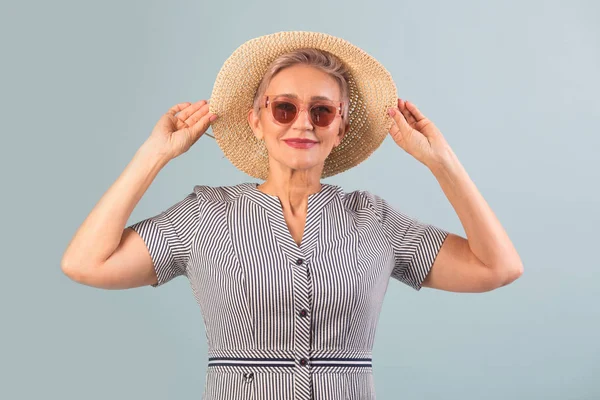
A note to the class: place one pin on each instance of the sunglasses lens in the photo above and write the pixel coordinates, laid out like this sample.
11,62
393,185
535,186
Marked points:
322,114
283,111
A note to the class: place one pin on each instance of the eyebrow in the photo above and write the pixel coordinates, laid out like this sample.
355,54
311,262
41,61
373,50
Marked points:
296,96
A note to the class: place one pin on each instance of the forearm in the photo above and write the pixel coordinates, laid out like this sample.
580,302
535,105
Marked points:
487,238
101,232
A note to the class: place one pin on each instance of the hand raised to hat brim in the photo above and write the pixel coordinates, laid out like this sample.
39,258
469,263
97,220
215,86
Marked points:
417,135
180,127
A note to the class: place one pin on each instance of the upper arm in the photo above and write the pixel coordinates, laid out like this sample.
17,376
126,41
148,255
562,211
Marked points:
151,251
169,238
129,266
457,269
428,256
415,244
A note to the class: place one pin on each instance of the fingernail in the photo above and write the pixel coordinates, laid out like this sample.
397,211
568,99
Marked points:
213,117
391,112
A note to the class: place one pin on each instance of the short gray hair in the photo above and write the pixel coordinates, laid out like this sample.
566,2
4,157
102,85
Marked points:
320,59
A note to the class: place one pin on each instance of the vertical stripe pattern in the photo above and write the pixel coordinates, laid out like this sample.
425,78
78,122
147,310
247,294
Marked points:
285,321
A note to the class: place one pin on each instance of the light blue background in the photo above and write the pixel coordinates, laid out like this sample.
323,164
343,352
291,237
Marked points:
512,86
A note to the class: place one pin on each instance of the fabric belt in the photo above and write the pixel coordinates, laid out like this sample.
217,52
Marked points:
289,362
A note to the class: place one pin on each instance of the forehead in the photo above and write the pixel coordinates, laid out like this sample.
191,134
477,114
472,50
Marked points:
304,82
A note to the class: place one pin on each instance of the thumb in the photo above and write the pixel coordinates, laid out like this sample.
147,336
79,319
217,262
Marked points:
399,120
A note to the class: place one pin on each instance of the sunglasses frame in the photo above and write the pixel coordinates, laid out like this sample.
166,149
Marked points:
301,106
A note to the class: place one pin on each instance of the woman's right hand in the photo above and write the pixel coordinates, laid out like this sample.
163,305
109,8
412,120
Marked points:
178,129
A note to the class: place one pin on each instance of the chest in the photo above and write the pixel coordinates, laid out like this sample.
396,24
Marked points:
295,225
248,267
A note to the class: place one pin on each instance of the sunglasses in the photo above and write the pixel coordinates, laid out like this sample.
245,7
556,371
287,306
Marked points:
285,110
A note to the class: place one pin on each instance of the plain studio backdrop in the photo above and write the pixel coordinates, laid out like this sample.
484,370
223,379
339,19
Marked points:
513,86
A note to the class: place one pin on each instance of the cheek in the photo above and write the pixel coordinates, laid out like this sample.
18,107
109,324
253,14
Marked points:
273,141
272,133
332,139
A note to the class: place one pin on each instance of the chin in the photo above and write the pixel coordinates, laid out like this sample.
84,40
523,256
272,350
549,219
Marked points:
300,165
295,161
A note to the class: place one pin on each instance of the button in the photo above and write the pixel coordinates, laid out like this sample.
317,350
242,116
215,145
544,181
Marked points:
303,313
299,261
303,361
248,376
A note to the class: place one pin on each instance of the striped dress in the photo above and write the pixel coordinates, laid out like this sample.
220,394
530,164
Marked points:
285,321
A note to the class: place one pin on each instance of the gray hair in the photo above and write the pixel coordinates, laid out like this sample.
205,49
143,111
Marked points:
320,59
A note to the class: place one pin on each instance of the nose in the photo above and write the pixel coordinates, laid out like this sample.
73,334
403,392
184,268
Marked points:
303,120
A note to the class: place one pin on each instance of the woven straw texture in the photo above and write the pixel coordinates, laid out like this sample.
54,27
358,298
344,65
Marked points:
371,92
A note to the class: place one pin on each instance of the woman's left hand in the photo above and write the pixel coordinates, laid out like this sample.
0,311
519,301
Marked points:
417,135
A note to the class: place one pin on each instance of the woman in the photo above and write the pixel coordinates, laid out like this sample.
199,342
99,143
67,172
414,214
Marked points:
290,275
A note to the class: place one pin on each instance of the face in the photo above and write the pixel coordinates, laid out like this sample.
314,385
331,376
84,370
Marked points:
304,82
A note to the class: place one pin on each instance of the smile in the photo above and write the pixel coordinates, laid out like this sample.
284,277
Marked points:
300,143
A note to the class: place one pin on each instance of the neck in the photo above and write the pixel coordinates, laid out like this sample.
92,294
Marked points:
292,189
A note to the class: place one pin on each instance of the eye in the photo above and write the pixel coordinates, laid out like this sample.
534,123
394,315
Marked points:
322,109
284,106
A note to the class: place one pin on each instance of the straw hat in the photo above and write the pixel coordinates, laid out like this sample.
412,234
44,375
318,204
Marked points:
371,92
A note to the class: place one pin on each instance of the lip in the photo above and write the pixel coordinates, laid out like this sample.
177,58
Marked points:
300,143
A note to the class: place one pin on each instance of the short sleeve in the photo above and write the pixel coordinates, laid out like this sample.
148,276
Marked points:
415,243
169,237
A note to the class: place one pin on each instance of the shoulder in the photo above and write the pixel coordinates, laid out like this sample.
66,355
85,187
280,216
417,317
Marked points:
221,194
363,201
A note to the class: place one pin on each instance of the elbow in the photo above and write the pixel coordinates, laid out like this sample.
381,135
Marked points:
69,271
510,274
72,271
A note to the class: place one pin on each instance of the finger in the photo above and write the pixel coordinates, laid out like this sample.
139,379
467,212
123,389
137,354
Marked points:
400,136
407,114
400,120
201,125
414,111
177,107
195,117
185,114
395,132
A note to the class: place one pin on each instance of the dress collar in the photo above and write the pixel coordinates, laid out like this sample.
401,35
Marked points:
316,201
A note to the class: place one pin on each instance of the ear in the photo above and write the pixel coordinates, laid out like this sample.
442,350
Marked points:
254,121
343,130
